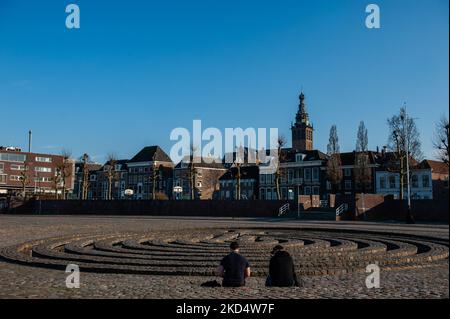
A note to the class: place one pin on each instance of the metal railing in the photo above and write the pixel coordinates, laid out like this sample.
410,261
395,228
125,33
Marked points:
283,209
341,209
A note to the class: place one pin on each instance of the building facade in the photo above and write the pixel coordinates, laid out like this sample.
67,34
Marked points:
248,183
150,174
35,172
300,173
203,176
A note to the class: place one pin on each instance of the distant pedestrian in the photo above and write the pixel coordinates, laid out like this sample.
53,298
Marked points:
281,269
234,268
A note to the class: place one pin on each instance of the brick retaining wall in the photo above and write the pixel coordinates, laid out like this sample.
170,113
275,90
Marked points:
254,208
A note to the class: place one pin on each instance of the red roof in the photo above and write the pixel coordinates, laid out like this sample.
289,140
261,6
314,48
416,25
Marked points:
436,166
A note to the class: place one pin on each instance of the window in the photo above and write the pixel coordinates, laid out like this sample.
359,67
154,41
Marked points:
392,182
307,174
290,176
382,182
262,178
43,169
315,190
347,172
328,185
348,184
3,179
425,181
14,178
283,193
415,181
299,157
43,159
16,167
93,178
43,179
10,157
315,173
2,167
307,190
263,193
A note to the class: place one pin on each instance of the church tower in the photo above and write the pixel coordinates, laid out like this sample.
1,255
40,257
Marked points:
302,129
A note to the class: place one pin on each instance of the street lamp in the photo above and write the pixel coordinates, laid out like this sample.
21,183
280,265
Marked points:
409,218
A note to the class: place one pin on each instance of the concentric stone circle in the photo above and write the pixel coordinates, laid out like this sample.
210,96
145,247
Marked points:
198,252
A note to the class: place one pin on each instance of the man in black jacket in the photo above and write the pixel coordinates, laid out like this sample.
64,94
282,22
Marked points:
281,269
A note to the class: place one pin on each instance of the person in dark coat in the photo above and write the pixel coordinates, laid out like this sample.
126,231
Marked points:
234,268
281,269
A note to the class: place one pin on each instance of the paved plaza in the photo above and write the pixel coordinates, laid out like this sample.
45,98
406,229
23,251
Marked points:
149,257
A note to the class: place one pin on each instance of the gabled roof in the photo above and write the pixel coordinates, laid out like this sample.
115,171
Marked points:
389,159
149,154
435,166
349,158
201,163
288,155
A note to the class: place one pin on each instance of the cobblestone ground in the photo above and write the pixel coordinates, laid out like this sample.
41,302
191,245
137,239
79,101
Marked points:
17,281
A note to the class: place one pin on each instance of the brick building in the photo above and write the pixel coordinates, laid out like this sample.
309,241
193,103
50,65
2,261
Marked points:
150,170
249,183
39,173
301,173
205,178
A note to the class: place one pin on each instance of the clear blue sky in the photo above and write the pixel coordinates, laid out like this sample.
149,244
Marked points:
137,69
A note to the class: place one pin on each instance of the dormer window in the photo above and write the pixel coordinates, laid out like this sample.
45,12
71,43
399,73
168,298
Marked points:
299,157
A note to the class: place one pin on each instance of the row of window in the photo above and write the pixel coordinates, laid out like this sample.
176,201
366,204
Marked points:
231,183
287,193
391,181
18,178
307,174
21,167
245,194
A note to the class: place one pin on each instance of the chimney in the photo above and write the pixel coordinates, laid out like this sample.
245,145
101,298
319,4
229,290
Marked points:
29,141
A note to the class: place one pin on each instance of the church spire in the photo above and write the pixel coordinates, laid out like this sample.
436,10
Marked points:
302,130
302,116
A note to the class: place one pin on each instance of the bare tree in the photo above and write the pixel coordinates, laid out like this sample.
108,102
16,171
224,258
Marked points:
362,140
363,173
111,173
85,181
403,139
56,179
65,170
440,140
334,164
192,170
24,179
281,143
154,176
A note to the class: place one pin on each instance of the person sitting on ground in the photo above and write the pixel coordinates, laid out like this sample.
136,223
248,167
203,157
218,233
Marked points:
234,268
281,269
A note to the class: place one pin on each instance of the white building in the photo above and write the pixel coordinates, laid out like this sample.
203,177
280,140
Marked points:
388,183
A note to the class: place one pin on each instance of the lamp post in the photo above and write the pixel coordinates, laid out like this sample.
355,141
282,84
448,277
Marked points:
409,218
